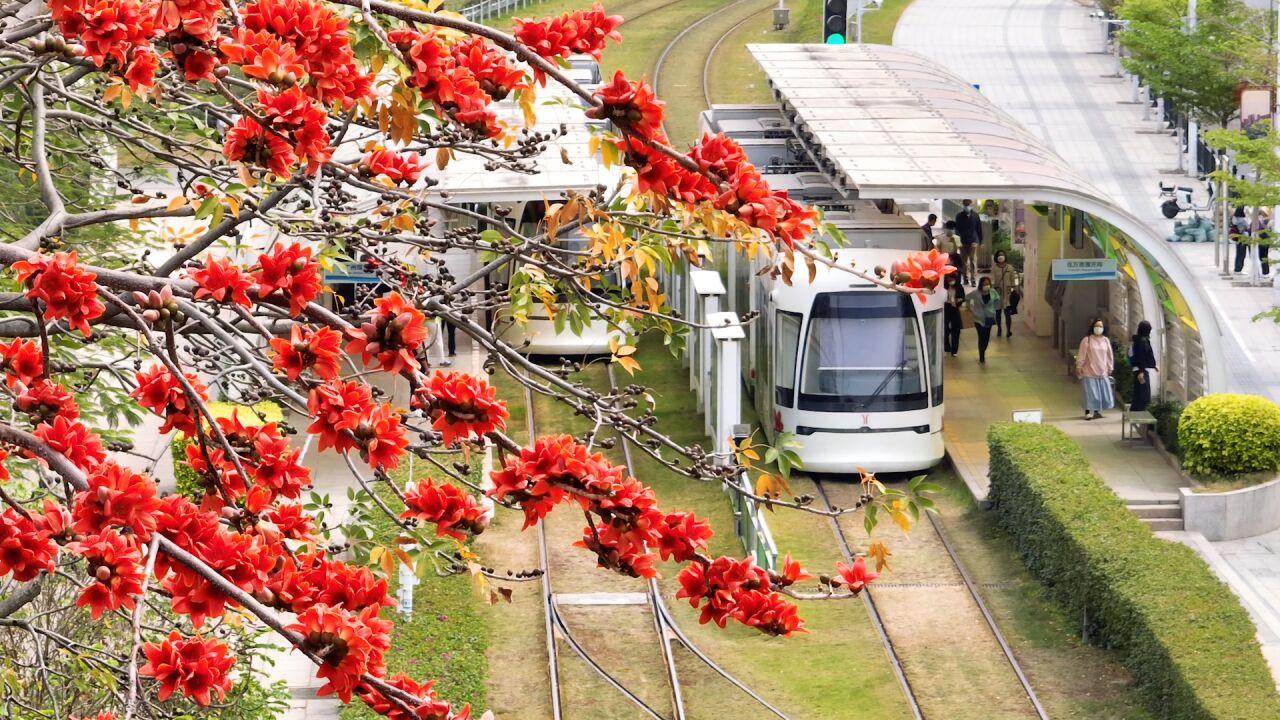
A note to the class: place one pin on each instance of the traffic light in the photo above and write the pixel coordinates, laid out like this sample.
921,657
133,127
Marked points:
835,22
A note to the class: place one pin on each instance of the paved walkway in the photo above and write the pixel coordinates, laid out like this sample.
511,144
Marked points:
1041,61
1026,373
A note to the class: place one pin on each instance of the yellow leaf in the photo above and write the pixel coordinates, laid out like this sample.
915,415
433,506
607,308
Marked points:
764,485
133,224
111,93
126,98
442,158
900,517
376,553
388,562
233,205
629,364
527,97
178,202
625,350
593,145
751,453
880,553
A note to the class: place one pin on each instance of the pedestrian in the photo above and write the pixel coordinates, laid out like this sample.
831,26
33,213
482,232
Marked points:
1005,280
1143,361
1262,238
969,228
946,243
985,306
927,231
1094,362
951,314
1240,233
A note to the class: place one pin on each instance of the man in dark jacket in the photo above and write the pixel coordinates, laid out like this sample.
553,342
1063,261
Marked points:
969,230
926,231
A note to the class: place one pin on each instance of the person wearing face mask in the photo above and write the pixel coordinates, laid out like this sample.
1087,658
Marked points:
985,306
969,229
1094,363
1004,278
951,314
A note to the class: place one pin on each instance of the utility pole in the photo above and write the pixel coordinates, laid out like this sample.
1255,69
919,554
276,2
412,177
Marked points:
862,6
1193,128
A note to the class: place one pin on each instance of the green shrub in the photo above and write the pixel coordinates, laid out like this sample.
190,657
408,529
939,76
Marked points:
188,482
1167,413
1190,646
1230,434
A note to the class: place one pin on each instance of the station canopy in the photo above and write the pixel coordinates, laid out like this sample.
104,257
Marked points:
886,123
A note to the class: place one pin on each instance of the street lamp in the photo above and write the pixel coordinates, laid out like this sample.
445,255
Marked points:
863,6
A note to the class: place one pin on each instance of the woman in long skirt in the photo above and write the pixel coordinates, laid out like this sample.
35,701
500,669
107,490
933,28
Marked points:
1094,363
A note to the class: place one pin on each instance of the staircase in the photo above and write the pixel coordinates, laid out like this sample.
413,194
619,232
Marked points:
1159,514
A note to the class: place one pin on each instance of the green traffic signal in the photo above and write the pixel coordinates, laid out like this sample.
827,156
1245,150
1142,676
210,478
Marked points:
836,39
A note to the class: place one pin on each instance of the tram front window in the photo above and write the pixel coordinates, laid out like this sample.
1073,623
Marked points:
863,352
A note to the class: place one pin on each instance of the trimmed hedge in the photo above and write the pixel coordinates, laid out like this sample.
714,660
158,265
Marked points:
1190,646
1167,413
1230,434
188,483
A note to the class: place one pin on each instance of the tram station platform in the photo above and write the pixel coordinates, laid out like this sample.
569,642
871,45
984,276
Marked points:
1025,373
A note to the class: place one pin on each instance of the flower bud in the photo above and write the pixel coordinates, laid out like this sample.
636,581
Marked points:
103,573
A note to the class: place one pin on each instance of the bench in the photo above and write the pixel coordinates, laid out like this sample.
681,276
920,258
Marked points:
1131,420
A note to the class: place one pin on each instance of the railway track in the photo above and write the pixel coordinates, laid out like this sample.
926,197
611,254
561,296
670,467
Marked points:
668,633
707,59
886,637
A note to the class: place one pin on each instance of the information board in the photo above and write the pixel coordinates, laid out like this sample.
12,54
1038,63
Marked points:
1084,269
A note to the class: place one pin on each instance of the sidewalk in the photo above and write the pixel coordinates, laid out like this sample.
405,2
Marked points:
1041,61
1025,373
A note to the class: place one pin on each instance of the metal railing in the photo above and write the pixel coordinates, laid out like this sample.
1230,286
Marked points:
485,9
752,528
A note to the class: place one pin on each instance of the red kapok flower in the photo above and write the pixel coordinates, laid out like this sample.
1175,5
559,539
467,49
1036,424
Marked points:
329,404
44,400
682,534
464,406
196,666
350,645
393,332
117,497
318,349
922,270
115,564
496,76
790,573
248,142
141,73
857,576
25,549
162,394
68,291
23,361
223,281
455,512
108,28
289,269
432,707
379,433
263,55
323,46
769,613
628,104
74,440
553,469
291,520
396,167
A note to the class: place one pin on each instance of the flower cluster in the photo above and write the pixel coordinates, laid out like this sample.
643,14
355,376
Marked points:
349,645
392,333
321,44
161,393
581,31
196,666
263,451
318,349
455,512
347,418
115,564
118,497
294,132
221,280
22,362
461,406
629,105
452,80
25,548
69,291
739,589
290,270
432,707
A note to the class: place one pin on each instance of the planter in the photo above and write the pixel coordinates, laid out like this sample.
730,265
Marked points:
1233,514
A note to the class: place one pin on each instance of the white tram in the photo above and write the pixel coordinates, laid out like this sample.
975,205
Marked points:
853,370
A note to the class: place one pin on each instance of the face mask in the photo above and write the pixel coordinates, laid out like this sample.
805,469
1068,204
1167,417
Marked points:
999,261
1097,331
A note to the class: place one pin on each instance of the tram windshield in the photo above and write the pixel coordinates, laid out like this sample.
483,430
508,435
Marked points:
863,352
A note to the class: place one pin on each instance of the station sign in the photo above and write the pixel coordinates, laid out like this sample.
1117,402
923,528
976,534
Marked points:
1084,269
350,273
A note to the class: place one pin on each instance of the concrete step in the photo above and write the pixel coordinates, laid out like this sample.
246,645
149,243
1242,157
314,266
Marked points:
1161,510
1164,524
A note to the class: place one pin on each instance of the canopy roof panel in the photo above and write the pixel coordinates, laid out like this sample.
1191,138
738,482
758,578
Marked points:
883,122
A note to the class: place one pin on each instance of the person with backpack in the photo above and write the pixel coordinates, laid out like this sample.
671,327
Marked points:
969,229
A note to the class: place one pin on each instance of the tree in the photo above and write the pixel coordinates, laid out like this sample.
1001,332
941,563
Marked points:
320,121
1199,71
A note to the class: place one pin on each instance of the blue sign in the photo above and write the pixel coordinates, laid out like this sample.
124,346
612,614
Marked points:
1084,269
350,273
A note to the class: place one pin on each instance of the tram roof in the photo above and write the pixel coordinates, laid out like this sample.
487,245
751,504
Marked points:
467,179
883,122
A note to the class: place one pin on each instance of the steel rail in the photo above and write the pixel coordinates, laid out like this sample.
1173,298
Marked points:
711,54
